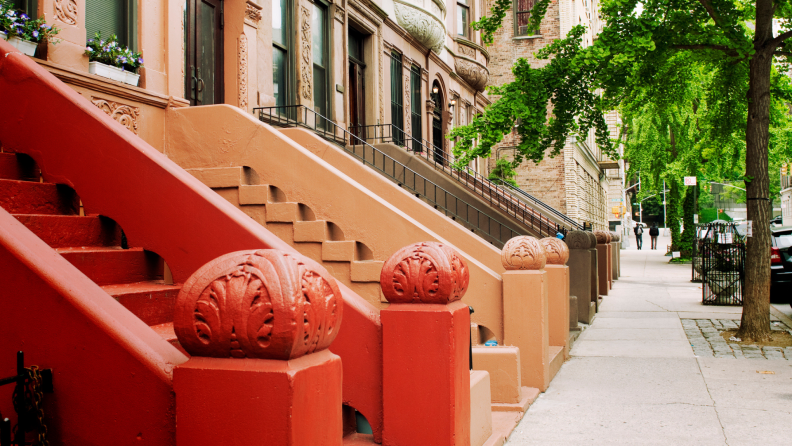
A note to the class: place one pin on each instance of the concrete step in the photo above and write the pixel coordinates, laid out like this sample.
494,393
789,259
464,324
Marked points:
111,266
61,231
152,302
167,333
26,197
283,212
14,167
254,194
366,270
556,360
310,231
343,251
218,176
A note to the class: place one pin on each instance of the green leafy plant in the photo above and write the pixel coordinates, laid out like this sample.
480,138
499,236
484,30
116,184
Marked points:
503,172
18,24
110,52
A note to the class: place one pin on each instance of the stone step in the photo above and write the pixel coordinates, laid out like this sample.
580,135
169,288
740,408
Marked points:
254,194
18,167
310,231
343,251
366,270
111,266
167,333
60,231
152,302
556,355
283,212
26,197
218,176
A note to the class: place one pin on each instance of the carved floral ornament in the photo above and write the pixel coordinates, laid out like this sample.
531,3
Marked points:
66,11
126,115
243,71
603,237
556,251
253,13
577,240
306,75
472,72
428,272
265,304
425,27
523,253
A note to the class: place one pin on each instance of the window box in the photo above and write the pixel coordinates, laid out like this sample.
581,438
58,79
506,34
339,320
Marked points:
107,71
131,78
3,35
25,46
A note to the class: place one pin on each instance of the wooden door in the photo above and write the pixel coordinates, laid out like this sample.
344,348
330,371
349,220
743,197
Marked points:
204,80
357,96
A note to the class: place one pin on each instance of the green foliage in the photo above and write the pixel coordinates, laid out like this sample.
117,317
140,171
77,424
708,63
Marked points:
707,215
503,172
110,52
674,213
19,24
488,25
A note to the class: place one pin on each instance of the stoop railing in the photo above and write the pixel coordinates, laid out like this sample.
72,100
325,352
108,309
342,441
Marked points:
452,206
512,200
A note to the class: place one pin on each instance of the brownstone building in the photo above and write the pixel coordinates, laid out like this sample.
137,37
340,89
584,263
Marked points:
580,182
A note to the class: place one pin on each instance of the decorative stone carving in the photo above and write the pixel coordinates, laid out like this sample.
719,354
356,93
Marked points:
306,74
523,252
592,239
66,12
407,107
603,237
556,251
124,114
243,71
258,304
472,72
428,272
252,13
381,76
577,240
615,237
425,27
466,50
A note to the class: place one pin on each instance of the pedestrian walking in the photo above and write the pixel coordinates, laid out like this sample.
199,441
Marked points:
653,233
638,235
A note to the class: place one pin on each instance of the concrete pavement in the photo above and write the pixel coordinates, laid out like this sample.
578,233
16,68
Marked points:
634,378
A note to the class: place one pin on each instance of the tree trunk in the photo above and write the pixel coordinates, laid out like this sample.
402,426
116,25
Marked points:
755,324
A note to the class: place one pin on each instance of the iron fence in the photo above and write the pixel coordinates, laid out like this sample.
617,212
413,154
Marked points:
495,195
452,206
721,250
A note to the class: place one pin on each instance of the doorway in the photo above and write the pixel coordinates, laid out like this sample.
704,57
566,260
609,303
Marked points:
437,124
357,82
204,52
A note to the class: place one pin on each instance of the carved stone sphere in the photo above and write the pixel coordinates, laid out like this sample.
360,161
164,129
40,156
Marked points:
603,237
523,252
578,240
615,237
427,272
265,304
556,251
593,239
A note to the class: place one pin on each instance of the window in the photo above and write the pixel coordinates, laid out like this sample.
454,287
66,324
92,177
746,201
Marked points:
320,61
397,97
112,17
463,18
415,104
522,19
29,7
281,46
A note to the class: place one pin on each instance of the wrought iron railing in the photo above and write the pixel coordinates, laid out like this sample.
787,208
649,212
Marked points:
512,200
721,257
473,218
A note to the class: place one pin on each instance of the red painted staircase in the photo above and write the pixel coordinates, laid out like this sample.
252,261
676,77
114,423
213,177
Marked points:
94,244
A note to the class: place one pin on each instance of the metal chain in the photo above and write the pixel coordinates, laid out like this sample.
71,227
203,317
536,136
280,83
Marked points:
34,397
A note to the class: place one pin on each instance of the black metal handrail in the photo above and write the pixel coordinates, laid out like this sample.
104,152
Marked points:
441,199
493,193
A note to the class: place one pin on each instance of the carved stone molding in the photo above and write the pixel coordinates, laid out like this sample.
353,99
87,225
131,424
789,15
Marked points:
425,27
243,71
578,240
258,304
556,251
603,237
306,74
428,272
407,107
381,62
126,115
471,72
253,13
466,50
66,11
523,253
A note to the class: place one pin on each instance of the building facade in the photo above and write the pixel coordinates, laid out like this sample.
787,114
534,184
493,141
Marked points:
580,182
415,64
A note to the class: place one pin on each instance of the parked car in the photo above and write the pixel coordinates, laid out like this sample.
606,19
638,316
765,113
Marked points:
778,221
781,265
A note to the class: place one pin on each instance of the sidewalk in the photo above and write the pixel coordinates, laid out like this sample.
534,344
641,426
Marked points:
634,377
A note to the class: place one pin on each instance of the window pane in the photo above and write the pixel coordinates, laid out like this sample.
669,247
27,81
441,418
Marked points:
397,109
106,17
355,45
280,10
318,29
320,90
279,76
462,20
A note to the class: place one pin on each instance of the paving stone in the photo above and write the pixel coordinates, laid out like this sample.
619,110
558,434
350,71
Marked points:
716,323
773,352
737,350
788,353
729,324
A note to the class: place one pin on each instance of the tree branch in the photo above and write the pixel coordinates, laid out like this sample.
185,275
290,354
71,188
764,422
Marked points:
783,53
711,11
780,39
722,48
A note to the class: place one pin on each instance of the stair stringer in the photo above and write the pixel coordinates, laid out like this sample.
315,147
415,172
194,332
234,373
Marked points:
112,373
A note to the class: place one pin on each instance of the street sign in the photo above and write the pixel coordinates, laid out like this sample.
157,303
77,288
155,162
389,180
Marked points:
690,181
695,218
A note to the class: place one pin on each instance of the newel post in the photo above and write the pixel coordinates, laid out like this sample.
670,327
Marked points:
615,247
604,261
557,254
581,280
425,343
257,325
526,315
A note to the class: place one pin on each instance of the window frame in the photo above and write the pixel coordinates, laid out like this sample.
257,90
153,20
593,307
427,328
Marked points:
517,12
415,103
129,35
397,95
288,50
463,5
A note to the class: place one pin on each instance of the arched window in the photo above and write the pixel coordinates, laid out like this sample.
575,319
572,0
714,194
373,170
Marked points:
522,17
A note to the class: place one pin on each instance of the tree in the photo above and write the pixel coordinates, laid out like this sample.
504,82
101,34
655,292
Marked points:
733,39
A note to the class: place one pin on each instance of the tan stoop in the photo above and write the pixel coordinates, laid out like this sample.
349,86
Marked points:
295,223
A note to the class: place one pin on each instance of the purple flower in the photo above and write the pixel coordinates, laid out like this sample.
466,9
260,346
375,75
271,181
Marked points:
89,49
140,61
24,17
35,34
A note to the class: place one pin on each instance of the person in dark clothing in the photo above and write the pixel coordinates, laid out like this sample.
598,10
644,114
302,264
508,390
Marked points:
653,233
638,235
